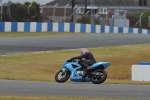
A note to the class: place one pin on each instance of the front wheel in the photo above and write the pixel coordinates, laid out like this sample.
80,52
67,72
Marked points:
61,76
99,77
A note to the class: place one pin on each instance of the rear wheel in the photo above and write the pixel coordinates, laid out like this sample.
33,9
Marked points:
61,76
99,77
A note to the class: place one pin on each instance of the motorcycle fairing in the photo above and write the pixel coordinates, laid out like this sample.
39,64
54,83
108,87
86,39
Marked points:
74,75
78,78
105,64
69,66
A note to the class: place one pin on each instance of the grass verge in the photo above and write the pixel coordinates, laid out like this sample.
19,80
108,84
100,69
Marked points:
19,34
43,66
56,98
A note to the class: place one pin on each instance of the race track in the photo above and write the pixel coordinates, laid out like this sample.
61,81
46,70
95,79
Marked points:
28,88
13,45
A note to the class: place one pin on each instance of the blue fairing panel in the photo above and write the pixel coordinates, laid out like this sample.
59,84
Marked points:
70,67
105,64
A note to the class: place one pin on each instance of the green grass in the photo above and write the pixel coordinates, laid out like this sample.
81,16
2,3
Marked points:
57,98
19,34
43,66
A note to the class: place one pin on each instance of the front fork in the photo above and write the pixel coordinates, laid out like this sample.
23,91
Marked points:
63,70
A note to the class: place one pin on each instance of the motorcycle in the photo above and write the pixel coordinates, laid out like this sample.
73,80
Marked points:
73,70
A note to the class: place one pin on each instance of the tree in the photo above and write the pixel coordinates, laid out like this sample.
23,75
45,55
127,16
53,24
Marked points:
18,12
135,17
34,12
22,12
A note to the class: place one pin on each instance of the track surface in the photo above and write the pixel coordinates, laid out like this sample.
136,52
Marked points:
73,89
12,45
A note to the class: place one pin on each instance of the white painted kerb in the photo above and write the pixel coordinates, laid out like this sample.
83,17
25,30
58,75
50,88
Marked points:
141,72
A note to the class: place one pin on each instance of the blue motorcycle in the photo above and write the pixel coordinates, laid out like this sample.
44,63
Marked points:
73,70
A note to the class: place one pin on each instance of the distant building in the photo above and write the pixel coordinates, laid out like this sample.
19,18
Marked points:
61,10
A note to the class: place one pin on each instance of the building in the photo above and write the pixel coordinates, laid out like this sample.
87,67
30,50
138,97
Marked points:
61,10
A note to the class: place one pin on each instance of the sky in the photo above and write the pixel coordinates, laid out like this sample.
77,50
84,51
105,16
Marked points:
22,1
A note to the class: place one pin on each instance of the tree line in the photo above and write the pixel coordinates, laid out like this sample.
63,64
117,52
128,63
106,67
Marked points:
27,12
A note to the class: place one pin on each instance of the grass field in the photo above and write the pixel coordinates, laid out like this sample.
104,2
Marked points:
43,66
2,97
19,34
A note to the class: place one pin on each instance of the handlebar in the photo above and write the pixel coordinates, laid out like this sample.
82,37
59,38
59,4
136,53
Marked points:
70,60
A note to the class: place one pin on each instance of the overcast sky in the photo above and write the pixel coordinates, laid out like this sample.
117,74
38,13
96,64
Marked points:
22,1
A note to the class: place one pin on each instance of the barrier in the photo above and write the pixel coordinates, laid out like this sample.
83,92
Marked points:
141,71
66,27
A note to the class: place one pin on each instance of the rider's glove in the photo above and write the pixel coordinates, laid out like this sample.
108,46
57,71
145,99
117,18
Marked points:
72,59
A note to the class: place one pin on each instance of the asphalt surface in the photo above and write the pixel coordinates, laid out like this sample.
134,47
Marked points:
28,88
13,45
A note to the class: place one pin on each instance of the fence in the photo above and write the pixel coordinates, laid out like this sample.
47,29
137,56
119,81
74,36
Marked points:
66,27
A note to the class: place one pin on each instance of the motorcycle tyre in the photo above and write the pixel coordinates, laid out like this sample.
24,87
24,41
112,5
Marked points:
63,79
101,80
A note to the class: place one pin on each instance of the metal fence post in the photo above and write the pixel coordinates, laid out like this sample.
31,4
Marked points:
1,10
54,11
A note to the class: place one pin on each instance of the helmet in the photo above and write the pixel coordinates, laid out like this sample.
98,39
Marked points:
84,50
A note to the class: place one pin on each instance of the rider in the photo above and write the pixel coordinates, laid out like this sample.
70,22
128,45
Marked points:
88,59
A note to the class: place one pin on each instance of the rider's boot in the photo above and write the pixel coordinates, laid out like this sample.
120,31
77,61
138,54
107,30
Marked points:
86,70
87,67
84,74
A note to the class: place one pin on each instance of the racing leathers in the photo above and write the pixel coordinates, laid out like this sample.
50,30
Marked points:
86,59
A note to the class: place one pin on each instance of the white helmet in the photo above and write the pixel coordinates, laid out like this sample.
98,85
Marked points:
84,50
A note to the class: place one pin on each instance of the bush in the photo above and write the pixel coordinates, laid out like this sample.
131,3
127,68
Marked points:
87,20
134,18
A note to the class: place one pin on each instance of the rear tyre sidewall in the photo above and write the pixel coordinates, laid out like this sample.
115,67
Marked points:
63,79
101,80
